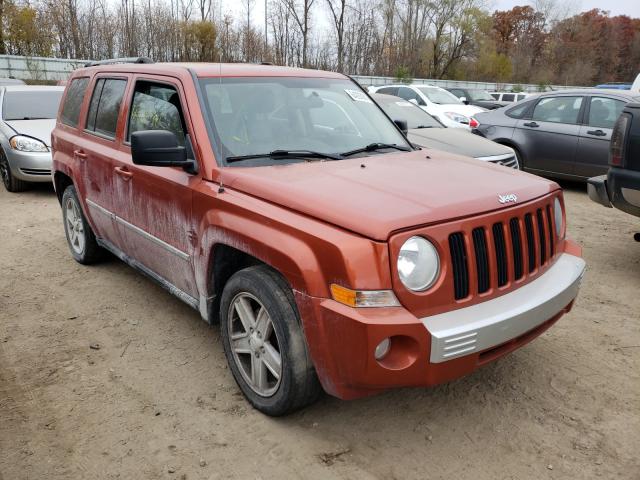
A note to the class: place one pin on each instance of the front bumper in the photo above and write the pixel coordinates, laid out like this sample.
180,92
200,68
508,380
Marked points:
30,166
432,350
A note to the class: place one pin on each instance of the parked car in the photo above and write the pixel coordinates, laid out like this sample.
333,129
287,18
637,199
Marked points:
285,204
474,96
425,131
5,81
562,134
27,118
436,101
507,98
620,187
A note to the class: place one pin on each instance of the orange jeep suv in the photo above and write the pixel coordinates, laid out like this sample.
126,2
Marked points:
286,205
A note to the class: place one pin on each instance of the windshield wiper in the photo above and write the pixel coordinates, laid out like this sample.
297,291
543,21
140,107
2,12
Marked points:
284,154
423,126
375,146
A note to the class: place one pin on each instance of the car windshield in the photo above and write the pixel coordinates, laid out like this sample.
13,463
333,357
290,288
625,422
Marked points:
24,105
258,115
437,95
399,109
480,95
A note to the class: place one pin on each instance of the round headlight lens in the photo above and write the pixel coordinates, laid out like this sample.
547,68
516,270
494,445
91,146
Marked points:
557,212
418,264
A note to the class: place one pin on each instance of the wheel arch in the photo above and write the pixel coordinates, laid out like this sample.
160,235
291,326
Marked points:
60,183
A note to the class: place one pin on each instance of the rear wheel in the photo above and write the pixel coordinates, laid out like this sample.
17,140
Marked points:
11,183
519,159
80,238
264,343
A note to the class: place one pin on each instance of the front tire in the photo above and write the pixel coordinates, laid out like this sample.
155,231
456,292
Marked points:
11,183
80,238
264,343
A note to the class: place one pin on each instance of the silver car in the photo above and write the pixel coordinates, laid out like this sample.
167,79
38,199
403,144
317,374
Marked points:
27,117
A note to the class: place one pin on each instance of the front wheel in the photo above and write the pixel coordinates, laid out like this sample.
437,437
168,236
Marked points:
11,183
80,238
264,343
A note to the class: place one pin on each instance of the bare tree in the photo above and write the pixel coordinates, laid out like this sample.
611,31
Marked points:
300,11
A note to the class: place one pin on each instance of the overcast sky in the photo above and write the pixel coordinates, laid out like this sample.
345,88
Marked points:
615,7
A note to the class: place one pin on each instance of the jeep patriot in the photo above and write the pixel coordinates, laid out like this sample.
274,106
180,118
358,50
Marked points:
286,205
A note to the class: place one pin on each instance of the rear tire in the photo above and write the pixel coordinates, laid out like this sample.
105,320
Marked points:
264,343
11,183
80,238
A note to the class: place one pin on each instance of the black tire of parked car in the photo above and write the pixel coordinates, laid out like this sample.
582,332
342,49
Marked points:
11,183
299,385
92,252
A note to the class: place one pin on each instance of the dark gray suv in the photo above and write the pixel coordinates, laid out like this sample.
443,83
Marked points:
562,134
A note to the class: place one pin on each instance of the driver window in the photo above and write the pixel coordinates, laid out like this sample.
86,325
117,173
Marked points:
409,94
156,106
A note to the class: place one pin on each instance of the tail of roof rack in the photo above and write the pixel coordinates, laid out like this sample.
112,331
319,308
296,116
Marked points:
112,61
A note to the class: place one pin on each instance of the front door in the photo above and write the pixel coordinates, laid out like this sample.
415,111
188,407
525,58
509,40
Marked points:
155,216
593,144
549,139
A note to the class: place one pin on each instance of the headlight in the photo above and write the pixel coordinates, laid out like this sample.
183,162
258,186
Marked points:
418,264
557,213
456,117
27,144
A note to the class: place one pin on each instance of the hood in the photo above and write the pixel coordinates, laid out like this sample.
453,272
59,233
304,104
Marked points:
392,191
40,129
455,140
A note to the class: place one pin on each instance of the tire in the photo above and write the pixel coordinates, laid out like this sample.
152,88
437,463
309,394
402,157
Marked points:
80,238
255,342
11,183
519,159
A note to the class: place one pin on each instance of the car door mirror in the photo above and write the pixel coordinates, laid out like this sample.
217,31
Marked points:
464,100
402,125
158,148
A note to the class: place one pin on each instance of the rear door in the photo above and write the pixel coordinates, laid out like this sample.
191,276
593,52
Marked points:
96,150
549,138
600,116
155,210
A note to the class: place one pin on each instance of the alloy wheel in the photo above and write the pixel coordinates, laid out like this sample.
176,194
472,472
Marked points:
74,226
254,344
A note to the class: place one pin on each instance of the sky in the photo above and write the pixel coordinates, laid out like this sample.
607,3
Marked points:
615,7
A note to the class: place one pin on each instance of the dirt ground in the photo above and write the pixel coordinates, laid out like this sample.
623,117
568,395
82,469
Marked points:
153,398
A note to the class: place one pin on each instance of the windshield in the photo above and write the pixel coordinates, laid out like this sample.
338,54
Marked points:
32,105
399,109
437,95
479,95
254,115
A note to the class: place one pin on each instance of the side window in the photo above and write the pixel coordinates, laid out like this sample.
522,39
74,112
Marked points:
558,109
458,93
496,96
73,101
388,91
520,97
603,112
519,111
508,97
156,106
105,106
408,94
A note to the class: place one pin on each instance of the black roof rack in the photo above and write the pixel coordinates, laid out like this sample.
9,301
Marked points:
112,61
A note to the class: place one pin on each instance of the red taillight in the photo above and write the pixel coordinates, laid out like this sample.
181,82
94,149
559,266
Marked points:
473,123
618,143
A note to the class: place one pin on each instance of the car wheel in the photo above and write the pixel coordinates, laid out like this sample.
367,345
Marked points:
264,343
11,183
519,159
81,239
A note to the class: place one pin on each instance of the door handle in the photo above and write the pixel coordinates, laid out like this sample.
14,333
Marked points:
123,172
597,133
80,155
531,124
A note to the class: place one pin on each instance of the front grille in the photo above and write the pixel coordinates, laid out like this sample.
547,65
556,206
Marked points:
36,171
459,263
502,252
511,162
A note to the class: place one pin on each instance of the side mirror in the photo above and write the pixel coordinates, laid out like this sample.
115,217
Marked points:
402,125
158,148
464,100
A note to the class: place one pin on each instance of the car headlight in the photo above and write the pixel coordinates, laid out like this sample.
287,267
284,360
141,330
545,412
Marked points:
27,144
418,264
557,213
457,117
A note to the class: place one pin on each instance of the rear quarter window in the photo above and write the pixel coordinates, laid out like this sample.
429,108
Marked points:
73,101
519,111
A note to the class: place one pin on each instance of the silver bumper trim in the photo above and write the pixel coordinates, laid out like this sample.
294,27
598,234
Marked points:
494,322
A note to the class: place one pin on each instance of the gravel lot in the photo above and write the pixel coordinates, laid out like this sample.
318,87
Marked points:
105,375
